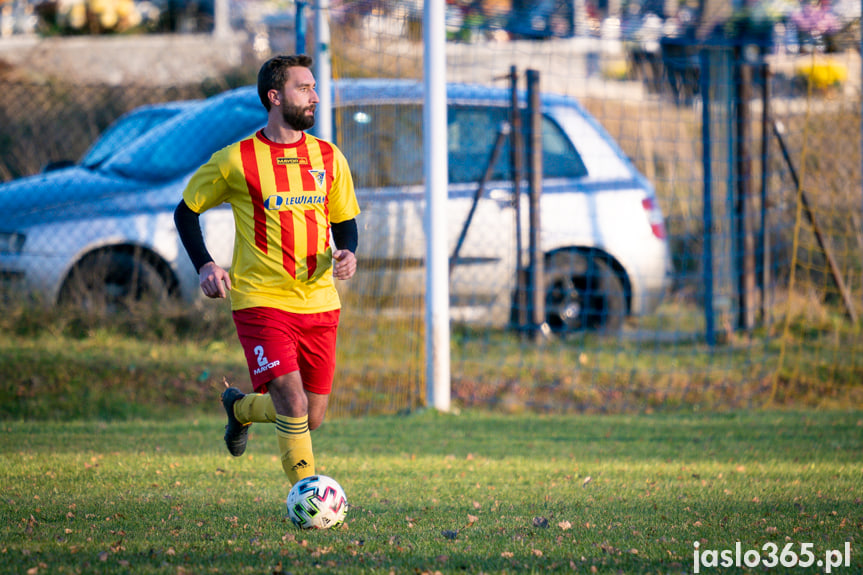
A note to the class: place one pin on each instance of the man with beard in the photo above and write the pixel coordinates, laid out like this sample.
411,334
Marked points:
288,190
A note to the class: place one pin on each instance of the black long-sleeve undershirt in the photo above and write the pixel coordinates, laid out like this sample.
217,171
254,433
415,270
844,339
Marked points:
189,229
346,235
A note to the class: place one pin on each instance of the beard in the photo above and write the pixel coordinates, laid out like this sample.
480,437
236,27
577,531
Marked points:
296,118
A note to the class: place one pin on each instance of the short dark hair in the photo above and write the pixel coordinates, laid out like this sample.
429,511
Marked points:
275,72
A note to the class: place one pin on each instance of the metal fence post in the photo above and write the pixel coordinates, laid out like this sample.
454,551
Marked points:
536,267
743,242
763,233
707,200
517,160
437,336
300,27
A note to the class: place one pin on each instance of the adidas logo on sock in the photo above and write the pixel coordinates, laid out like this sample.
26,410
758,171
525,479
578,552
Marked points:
302,464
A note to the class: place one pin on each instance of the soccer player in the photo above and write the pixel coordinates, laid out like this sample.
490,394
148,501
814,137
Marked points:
287,189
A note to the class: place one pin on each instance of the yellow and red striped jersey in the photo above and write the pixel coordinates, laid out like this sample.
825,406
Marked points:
284,197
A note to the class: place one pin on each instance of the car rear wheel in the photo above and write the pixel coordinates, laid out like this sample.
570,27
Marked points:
582,292
111,280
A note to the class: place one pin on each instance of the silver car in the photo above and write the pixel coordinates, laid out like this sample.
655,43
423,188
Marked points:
101,233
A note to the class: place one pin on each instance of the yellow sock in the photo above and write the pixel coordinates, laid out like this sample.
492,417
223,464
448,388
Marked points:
255,408
295,445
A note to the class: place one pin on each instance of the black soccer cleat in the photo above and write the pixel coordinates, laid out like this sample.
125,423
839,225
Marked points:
236,433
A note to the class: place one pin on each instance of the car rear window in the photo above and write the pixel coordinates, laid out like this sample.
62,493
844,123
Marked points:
383,144
180,145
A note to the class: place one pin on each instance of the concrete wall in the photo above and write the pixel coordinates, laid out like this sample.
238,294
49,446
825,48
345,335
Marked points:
140,59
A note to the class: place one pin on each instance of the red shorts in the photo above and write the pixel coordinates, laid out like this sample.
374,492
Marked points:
278,342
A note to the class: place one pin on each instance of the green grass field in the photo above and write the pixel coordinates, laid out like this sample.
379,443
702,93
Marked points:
429,493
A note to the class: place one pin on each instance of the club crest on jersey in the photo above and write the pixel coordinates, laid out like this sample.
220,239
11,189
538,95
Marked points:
319,176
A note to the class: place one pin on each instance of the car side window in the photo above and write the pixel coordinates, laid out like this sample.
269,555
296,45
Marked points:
560,159
472,132
383,144
384,147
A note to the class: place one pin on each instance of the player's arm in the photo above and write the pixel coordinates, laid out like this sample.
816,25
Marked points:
213,279
346,237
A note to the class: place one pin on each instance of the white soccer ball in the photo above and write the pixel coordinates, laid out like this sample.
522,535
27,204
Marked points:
317,502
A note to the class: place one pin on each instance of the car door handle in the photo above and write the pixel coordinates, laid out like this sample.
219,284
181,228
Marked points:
501,196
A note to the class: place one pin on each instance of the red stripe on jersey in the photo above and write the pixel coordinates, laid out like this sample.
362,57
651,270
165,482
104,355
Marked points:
286,219
280,171
327,156
311,242
253,181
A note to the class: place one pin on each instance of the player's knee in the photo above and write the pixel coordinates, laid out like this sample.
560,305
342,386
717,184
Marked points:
288,396
315,421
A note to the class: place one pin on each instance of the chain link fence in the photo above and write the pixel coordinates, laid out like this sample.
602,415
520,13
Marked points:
748,134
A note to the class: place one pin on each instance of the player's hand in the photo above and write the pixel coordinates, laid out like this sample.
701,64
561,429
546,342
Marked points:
215,282
345,264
